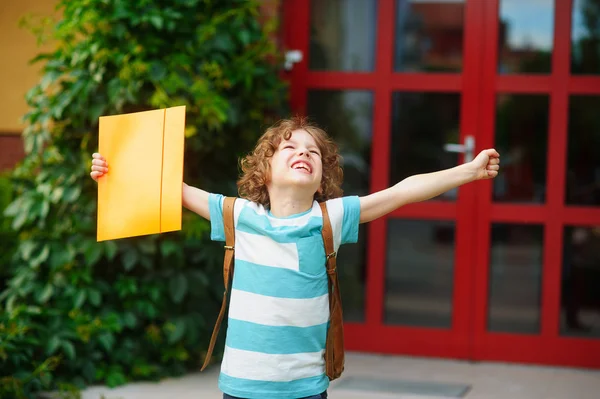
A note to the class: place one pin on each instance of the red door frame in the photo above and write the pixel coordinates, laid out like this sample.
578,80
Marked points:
478,85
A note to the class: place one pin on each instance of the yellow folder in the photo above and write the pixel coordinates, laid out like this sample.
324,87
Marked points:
141,193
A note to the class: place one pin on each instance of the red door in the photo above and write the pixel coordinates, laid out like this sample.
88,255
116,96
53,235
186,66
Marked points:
402,84
537,258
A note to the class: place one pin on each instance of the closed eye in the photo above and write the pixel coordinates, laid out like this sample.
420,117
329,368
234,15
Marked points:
316,153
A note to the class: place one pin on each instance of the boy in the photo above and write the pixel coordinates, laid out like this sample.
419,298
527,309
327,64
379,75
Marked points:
278,314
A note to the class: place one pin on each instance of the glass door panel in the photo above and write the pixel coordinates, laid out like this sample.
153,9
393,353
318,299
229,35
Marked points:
585,33
522,140
422,123
342,35
525,33
514,293
429,36
419,281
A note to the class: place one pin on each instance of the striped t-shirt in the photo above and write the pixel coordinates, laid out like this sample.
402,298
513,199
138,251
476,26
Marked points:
279,308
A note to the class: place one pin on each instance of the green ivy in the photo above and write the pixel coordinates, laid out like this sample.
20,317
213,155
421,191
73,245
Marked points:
76,311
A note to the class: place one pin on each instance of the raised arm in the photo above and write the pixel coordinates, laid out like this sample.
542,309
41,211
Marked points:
193,198
426,186
196,200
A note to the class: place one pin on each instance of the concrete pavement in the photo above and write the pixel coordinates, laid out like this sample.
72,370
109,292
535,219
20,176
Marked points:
382,377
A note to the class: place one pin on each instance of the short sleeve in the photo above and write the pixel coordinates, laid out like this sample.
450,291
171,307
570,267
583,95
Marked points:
351,219
344,214
215,208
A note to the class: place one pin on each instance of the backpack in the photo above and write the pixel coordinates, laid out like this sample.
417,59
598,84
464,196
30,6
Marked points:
334,347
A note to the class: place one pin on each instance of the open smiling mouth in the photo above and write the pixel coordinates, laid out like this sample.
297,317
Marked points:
302,166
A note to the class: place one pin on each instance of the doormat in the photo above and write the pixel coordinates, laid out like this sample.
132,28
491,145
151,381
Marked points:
424,388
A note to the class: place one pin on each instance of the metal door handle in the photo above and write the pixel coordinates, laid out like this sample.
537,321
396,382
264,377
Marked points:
292,57
467,148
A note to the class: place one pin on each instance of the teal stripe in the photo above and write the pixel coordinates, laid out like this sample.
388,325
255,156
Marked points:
215,208
243,388
275,340
351,219
251,222
278,282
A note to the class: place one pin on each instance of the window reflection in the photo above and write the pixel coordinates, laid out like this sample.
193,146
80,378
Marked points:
419,280
515,278
342,35
421,124
583,157
580,281
585,37
429,35
522,139
347,116
525,36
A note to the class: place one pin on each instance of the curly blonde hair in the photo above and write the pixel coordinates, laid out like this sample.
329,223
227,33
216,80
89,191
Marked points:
256,169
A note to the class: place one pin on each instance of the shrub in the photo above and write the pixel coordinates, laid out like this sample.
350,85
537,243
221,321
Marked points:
83,312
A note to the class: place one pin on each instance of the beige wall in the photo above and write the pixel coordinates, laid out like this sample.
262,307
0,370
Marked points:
17,47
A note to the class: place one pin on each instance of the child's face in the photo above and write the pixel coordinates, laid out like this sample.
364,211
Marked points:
297,162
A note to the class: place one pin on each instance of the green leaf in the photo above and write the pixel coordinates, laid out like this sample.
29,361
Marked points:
34,309
129,320
61,256
79,299
111,249
130,258
13,208
147,247
244,37
115,378
157,21
53,344
45,209
178,331
57,194
93,253
46,293
19,220
69,349
157,71
94,296
72,194
223,43
168,247
96,111
89,371
42,256
107,341
27,248
178,287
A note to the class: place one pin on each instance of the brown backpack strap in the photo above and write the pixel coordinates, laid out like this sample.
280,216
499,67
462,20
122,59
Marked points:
334,348
228,224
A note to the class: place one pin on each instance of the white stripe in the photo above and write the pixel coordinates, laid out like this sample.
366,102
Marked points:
335,208
258,208
296,221
272,311
264,251
240,203
265,367
293,222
